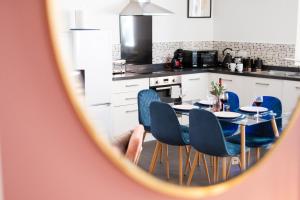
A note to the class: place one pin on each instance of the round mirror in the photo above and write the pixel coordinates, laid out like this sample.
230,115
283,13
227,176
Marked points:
175,101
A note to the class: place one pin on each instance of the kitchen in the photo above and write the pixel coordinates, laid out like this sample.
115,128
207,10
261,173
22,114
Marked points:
267,34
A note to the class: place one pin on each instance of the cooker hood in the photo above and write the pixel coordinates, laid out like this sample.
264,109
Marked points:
144,7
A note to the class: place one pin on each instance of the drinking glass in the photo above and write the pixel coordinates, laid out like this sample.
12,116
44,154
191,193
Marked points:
224,99
258,100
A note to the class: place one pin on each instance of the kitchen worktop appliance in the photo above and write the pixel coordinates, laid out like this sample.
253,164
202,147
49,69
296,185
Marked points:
195,59
167,87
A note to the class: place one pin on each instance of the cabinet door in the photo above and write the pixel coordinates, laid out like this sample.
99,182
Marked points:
237,84
194,86
266,87
100,116
133,85
97,86
291,94
124,118
91,48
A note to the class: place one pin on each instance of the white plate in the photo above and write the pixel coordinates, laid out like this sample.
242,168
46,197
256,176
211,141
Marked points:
185,107
254,109
205,102
230,115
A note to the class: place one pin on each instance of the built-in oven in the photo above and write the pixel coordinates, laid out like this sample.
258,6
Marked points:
167,87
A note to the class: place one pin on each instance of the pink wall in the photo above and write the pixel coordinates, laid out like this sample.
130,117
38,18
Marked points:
47,154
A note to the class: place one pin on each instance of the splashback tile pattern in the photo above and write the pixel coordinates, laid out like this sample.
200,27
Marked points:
272,54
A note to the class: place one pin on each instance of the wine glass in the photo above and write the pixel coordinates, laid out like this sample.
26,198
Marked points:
224,99
210,99
258,100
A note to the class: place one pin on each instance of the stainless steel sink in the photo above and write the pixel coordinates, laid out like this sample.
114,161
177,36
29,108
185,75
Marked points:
279,73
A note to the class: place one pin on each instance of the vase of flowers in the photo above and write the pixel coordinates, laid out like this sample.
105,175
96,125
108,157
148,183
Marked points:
217,89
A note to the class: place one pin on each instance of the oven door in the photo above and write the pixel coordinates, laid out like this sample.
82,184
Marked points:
168,94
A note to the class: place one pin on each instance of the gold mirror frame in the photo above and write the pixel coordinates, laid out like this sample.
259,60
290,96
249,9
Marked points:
125,166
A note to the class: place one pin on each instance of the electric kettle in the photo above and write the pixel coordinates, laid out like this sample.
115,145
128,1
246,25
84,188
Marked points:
227,58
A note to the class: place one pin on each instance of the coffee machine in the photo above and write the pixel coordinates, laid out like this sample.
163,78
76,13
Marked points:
177,61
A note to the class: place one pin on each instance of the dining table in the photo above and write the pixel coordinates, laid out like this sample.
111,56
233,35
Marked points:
244,119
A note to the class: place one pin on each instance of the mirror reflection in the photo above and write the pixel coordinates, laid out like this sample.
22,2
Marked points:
186,100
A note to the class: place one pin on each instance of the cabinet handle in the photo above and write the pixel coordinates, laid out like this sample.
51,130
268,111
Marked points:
101,104
194,79
128,99
265,84
224,79
131,111
297,88
162,88
133,85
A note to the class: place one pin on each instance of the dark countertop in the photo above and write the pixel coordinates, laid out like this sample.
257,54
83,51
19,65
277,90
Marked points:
159,72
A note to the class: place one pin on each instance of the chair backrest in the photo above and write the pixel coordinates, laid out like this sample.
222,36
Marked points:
165,126
206,134
233,101
265,129
145,98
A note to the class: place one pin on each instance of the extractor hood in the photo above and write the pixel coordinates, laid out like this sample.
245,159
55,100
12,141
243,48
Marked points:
144,7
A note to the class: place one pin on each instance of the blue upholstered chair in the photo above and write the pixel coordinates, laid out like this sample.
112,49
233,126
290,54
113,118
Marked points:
206,136
166,129
262,135
145,98
234,104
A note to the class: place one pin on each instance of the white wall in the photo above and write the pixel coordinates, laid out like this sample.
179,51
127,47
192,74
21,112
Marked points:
266,21
105,14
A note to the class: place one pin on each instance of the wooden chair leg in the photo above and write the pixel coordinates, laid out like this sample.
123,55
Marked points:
195,162
180,165
229,168
257,152
205,167
212,162
214,169
167,162
248,158
188,165
217,167
160,155
154,157
224,169
199,160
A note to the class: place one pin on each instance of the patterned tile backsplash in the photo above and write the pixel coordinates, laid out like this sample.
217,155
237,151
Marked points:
272,54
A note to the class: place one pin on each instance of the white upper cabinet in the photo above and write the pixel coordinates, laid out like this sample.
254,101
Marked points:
91,48
194,86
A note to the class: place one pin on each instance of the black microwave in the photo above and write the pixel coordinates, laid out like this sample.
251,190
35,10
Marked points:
200,59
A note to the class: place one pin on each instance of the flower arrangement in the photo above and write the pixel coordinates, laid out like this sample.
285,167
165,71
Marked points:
217,89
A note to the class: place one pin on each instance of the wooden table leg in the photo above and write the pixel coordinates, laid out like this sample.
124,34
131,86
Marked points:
274,126
243,147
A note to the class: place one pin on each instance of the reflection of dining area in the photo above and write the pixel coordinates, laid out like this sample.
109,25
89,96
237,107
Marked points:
203,142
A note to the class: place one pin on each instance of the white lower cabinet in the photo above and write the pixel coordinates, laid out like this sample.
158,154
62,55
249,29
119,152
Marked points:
291,94
237,84
124,104
266,87
124,118
194,86
100,115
